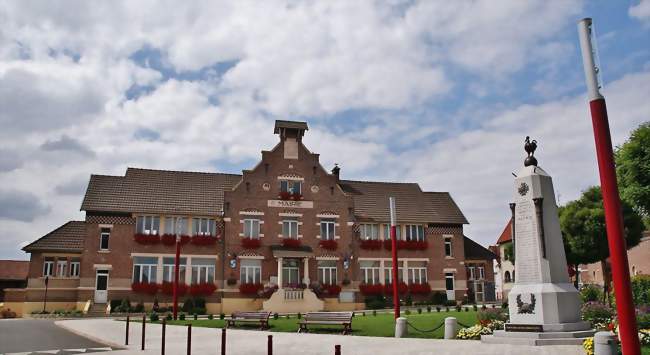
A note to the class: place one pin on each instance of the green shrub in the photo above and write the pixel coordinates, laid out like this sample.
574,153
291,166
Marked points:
591,293
408,300
196,316
299,315
374,312
154,317
275,316
438,309
419,310
181,316
504,305
139,308
597,313
450,303
223,316
490,315
643,319
210,317
188,305
199,302
438,297
115,305
446,309
169,316
483,307
466,309
407,312
459,308
375,302
428,309
197,310
641,290
475,308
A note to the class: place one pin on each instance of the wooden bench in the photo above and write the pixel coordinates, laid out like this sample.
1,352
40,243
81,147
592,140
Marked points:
249,317
327,318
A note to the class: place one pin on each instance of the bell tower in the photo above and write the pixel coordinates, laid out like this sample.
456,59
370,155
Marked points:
291,133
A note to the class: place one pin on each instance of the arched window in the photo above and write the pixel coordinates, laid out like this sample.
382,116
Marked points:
506,277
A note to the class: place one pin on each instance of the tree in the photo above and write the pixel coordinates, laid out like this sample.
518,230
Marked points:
585,236
509,253
633,170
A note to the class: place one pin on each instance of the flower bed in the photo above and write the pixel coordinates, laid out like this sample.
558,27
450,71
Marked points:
371,244
250,289
170,239
146,238
332,290
251,243
420,289
406,245
202,289
291,243
167,288
329,244
371,289
204,240
401,288
149,288
475,332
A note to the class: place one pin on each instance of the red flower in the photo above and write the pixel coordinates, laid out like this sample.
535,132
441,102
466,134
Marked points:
250,289
146,238
291,243
145,287
204,239
401,288
407,244
284,195
296,196
168,288
202,289
371,289
371,244
251,243
423,289
170,239
329,244
332,290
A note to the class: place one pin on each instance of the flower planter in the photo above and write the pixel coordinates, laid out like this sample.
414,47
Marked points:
203,289
204,240
146,238
329,244
170,239
283,195
406,245
291,243
296,197
371,244
145,287
332,290
420,289
167,288
371,289
251,243
402,288
250,289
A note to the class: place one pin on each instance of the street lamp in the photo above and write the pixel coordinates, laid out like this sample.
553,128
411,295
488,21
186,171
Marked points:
177,266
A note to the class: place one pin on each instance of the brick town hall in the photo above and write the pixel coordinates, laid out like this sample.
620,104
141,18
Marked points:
285,236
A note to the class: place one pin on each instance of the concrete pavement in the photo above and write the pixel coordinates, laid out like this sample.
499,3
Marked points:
251,342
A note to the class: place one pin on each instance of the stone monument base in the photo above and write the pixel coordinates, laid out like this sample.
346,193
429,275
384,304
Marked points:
575,334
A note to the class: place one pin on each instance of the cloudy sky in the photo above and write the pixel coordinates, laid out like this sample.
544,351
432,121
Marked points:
437,92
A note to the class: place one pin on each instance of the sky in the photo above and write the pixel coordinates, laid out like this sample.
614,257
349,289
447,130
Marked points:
441,93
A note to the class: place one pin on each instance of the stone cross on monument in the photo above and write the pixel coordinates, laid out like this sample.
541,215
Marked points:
544,306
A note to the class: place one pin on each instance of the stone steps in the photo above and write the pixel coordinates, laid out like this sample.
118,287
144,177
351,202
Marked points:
491,339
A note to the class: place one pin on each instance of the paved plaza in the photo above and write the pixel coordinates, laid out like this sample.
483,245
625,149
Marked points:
251,342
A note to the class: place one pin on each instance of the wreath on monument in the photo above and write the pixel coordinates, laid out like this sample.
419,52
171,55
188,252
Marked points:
526,308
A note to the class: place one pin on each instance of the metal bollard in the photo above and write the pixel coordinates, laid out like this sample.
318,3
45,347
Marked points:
605,343
126,337
223,341
189,339
270,345
401,328
337,349
162,345
451,327
144,321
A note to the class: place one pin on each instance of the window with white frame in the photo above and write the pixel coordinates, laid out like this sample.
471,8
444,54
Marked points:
144,269
104,236
370,272
251,228
417,272
327,272
292,187
204,226
327,229
169,265
398,232
176,225
148,225
388,271
48,267
448,247
61,266
369,231
202,270
75,266
481,272
290,228
250,271
415,232
470,273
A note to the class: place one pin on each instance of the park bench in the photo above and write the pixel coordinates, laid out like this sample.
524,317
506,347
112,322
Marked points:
249,317
327,318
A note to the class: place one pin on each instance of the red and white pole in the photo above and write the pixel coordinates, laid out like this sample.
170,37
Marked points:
176,270
611,200
393,238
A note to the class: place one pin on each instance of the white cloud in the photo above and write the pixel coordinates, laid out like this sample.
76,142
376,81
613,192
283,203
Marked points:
641,11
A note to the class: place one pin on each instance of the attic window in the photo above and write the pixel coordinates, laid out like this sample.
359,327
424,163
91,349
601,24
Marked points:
292,187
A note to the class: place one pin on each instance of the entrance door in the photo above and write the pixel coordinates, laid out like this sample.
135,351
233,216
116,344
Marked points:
479,292
101,286
449,282
290,273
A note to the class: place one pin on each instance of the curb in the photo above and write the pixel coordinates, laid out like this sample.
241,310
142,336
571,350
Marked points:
93,338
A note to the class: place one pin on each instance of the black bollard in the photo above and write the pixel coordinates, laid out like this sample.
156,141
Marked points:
126,337
162,346
223,341
144,321
189,339
337,349
270,345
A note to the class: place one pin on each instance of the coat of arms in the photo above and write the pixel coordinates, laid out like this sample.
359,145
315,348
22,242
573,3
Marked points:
523,189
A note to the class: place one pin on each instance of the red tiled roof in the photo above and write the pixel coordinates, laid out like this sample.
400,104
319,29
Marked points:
68,237
14,269
506,235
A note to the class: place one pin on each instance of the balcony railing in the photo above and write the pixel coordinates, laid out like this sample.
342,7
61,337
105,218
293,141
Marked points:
294,295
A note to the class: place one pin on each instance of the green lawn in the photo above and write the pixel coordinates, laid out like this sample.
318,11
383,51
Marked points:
381,325
645,350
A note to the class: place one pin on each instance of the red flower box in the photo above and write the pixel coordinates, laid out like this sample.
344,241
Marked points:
284,195
251,243
371,289
170,239
401,288
332,290
406,244
204,240
291,243
420,289
371,244
146,238
250,289
145,287
296,197
202,289
329,244
167,288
